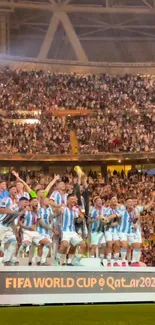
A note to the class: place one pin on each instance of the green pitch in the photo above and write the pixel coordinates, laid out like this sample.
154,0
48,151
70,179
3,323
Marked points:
79,315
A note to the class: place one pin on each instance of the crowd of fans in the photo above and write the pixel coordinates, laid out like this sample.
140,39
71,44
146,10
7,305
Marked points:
31,90
123,122
148,247
116,131
50,136
100,133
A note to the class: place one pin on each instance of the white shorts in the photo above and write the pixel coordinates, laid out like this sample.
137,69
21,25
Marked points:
134,238
97,238
6,234
32,237
123,236
111,236
71,238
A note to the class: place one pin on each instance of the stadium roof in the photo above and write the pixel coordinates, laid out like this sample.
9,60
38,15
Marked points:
96,6
82,30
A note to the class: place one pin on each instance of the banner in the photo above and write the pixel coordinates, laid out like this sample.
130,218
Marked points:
50,282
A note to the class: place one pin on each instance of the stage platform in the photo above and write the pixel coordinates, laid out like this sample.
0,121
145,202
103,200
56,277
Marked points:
88,283
90,263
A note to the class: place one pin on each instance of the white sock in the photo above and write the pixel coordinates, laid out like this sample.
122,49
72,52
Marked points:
10,251
109,258
61,258
38,259
14,259
123,254
44,254
5,255
136,255
116,257
70,258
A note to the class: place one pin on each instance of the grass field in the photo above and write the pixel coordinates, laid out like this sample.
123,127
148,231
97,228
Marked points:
79,315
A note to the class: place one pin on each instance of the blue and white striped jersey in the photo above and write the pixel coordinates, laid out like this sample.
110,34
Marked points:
10,204
4,194
45,214
59,198
25,194
2,215
127,221
30,218
68,219
97,224
108,213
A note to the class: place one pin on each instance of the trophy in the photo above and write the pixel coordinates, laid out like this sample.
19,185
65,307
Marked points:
79,171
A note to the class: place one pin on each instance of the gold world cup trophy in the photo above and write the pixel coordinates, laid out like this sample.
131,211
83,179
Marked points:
79,172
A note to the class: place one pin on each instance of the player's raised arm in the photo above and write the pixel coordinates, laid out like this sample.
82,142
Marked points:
28,188
149,205
49,186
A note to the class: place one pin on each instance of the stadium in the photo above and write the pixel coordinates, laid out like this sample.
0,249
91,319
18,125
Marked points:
77,162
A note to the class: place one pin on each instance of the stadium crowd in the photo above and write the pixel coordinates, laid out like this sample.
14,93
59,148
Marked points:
31,90
50,136
116,130
95,134
77,210
123,122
